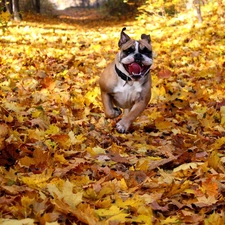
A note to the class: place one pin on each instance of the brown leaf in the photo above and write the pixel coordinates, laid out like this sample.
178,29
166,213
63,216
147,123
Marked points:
165,73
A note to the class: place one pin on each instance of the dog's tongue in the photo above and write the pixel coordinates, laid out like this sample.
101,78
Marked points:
134,68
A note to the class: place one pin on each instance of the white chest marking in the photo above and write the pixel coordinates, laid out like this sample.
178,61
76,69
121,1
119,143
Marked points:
125,94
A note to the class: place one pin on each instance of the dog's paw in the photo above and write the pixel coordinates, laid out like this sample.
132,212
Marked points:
121,128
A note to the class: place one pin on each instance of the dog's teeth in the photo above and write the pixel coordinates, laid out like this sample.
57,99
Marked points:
136,74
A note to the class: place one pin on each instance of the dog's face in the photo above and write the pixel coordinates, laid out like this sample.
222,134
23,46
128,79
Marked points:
135,56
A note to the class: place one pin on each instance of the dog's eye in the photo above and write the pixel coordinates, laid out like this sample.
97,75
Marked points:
146,52
129,50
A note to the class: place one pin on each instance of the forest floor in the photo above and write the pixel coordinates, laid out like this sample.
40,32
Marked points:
82,14
63,163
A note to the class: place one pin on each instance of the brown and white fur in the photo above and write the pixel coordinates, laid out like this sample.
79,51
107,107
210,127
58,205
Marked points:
126,82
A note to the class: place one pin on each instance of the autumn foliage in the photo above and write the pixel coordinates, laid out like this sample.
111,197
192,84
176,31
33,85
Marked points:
62,162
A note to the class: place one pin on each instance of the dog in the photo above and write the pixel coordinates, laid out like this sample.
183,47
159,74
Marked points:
126,82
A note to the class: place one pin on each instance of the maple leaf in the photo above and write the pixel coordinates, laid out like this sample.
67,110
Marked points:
63,140
215,218
66,194
37,180
91,96
215,161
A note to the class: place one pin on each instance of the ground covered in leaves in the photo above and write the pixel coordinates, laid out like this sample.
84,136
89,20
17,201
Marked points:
62,162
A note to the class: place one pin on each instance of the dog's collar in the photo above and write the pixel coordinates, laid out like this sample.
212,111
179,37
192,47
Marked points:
122,75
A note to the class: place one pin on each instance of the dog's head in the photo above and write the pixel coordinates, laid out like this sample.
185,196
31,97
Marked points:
135,56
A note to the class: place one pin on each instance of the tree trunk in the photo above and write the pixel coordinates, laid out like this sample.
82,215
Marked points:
15,8
198,10
8,6
195,4
37,5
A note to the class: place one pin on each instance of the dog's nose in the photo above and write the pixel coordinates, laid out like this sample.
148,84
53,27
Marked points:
138,57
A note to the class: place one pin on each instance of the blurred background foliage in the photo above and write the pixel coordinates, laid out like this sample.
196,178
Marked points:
126,9
109,7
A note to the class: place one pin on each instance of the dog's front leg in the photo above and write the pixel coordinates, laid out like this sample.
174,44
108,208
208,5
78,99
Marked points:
123,125
109,109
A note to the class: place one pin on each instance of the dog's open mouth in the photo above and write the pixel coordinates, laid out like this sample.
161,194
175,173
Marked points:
136,70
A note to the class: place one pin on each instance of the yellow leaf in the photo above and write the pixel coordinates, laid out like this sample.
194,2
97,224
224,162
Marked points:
8,118
26,221
66,194
121,217
158,94
135,201
34,134
113,210
52,129
142,165
170,220
222,112
215,161
102,63
60,158
107,189
72,137
215,219
97,47
4,16
154,114
143,219
77,101
218,143
178,187
98,150
20,118
27,202
13,106
145,214
123,184
187,166
91,96
162,124
37,180
52,223
189,191
36,113
78,139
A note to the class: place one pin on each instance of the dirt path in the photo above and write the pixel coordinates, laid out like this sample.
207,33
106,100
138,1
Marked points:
79,14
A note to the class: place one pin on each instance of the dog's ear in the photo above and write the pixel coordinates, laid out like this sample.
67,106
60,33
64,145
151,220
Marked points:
123,37
146,37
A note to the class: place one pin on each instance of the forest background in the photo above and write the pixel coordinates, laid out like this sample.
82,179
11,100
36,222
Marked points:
62,162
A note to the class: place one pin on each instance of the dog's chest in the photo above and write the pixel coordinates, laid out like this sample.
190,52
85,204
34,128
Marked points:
125,95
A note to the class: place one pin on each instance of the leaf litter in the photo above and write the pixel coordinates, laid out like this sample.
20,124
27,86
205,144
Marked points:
62,162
